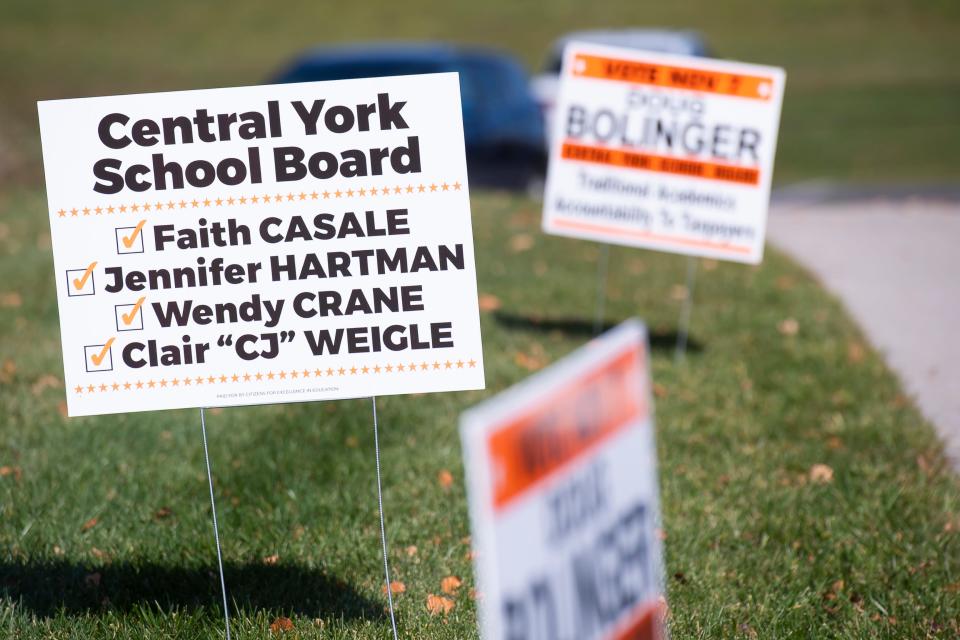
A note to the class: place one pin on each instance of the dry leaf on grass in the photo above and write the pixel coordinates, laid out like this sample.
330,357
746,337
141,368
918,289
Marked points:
855,352
521,242
789,327
45,382
445,478
489,302
352,442
396,587
10,299
89,524
821,474
7,370
438,605
411,551
16,472
281,625
162,512
272,559
450,584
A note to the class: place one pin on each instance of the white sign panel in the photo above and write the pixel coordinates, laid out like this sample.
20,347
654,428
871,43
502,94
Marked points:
663,152
262,244
564,504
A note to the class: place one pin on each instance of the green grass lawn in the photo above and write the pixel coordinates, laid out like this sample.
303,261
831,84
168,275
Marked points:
104,522
755,548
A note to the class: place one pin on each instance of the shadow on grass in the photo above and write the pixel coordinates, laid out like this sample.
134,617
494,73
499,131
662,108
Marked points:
579,327
51,587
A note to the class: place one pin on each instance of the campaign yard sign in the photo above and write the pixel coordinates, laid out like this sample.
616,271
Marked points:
262,244
663,152
562,483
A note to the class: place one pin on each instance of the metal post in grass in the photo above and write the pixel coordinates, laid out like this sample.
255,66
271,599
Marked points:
383,529
601,288
216,532
683,329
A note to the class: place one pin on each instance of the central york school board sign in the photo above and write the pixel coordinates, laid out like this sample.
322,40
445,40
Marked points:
670,153
564,502
262,244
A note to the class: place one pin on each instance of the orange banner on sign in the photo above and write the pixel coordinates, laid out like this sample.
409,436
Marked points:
527,449
661,164
648,625
660,75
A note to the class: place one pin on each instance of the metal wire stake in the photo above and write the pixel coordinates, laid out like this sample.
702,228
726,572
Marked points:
216,533
685,311
383,529
601,288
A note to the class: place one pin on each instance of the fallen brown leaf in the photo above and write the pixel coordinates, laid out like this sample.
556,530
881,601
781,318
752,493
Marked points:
281,625
789,327
521,242
411,551
162,512
16,472
99,555
821,474
450,584
89,524
10,299
45,382
352,442
396,587
445,478
438,605
489,302
855,352
7,371
272,559
678,292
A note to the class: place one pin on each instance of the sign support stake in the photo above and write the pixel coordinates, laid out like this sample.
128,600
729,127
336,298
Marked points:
216,533
686,310
601,288
383,529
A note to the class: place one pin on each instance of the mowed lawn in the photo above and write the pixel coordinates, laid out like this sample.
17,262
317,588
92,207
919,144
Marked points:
804,496
105,528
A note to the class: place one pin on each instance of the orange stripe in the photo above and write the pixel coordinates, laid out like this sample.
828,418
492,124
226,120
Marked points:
646,235
661,75
660,164
532,446
648,625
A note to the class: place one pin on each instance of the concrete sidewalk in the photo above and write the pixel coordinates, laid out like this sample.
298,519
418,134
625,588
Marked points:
895,263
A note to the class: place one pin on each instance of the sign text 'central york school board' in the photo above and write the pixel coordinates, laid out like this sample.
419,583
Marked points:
262,244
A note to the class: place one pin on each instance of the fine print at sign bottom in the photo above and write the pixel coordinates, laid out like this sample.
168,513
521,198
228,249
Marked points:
562,481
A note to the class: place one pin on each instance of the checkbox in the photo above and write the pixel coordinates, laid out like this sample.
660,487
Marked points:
129,317
129,239
80,282
98,357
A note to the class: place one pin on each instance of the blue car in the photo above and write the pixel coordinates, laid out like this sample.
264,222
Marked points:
502,125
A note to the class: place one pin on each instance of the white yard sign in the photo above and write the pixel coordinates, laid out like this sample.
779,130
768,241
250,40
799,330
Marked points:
262,244
564,501
663,152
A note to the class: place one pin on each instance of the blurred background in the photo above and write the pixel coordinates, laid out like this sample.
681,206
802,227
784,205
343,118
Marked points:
873,85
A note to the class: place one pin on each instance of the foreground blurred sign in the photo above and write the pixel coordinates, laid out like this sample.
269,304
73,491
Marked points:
563,499
262,244
663,152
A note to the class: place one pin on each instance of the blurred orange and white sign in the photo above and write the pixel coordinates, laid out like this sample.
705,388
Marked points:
564,504
664,152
